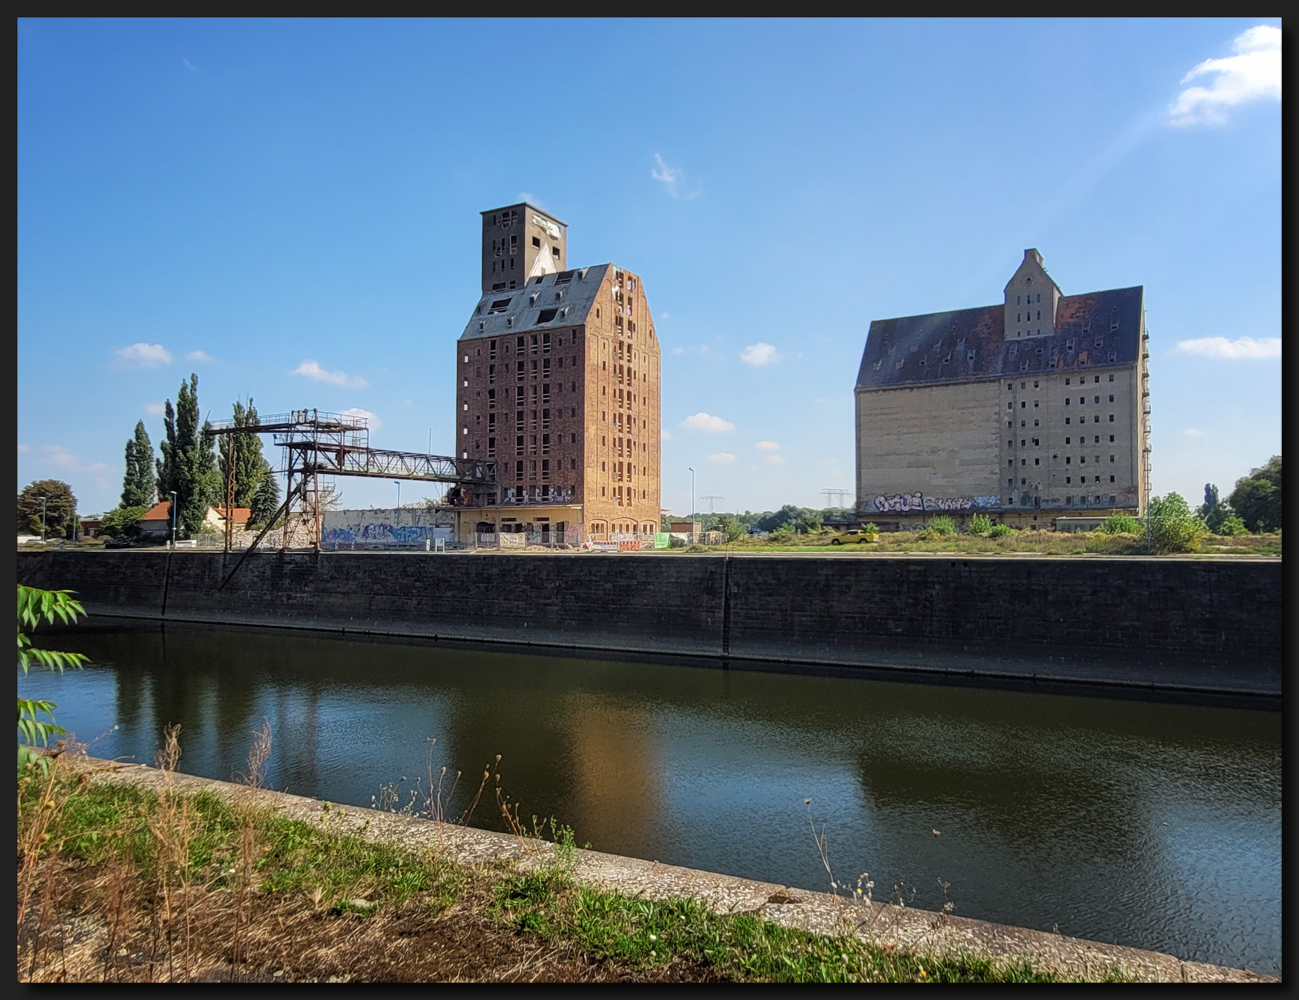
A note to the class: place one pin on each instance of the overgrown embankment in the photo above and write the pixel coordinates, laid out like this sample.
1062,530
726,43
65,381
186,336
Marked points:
137,874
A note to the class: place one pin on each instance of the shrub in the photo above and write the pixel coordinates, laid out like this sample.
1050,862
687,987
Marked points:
123,522
870,528
942,525
980,524
1231,526
1000,531
1121,524
1173,528
783,533
926,535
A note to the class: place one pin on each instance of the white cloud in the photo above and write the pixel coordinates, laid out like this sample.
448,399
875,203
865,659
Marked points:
1252,74
664,316
311,369
665,435
1193,432
198,356
722,457
767,446
706,422
155,409
759,354
1246,348
142,355
371,421
407,402
670,177
776,459
65,460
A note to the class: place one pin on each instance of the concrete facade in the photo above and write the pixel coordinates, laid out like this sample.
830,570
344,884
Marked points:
558,383
1039,404
520,242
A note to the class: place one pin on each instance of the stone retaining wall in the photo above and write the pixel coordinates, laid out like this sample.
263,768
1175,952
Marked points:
1208,625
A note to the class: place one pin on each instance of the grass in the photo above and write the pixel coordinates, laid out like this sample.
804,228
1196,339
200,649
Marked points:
1025,542
117,883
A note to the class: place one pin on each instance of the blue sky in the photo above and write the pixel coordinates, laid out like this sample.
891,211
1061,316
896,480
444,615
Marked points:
290,209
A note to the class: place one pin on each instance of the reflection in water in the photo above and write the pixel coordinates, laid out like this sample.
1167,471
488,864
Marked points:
1154,825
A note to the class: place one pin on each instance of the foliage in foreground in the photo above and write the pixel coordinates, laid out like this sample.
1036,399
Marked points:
37,607
165,848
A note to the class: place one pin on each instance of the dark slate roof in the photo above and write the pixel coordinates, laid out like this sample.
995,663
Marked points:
1095,330
503,313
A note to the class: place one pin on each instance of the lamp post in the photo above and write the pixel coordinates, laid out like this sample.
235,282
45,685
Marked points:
42,520
173,518
694,532
397,482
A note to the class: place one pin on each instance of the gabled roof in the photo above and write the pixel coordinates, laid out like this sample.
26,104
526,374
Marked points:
534,306
240,513
1094,330
158,512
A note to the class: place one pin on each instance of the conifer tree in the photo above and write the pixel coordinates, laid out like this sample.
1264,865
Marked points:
188,464
139,483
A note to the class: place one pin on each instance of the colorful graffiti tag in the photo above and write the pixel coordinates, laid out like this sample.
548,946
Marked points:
917,501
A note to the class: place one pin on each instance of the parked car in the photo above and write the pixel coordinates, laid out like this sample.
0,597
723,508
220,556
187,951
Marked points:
855,535
118,543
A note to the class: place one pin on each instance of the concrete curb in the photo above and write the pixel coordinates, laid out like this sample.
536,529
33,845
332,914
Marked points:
921,931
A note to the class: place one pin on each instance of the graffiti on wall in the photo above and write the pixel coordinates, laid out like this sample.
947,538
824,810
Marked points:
378,528
917,501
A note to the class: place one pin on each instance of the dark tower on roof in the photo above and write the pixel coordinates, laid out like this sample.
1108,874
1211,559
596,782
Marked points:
521,242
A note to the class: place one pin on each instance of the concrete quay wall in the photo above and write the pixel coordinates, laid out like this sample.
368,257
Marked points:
1206,625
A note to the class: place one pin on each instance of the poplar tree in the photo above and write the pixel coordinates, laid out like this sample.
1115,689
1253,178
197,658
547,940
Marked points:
188,465
139,483
249,466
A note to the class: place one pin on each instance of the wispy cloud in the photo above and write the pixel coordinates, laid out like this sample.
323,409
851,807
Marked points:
1193,432
665,435
155,409
311,369
188,64
1252,74
1242,348
664,317
678,350
760,354
767,446
57,455
671,178
198,356
776,459
371,420
142,355
722,458
706,422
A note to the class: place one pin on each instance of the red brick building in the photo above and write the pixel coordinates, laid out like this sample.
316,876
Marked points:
557,382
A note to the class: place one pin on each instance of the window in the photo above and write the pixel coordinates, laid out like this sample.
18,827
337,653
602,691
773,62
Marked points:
1111,460
1066,420
1067,479
1037,461
1097,379
1111,378
1066,381
1010,462
1066,400
1010,406
536,242
1068,460
1111,439
1035,404
1035,383
1111,418
1111,397
1010,386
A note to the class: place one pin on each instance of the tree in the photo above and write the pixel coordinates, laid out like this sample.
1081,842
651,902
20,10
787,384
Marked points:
1257,497
188,464
140,482
266,501
1214,512
731,526
1173,528
123,522
60,508
250,467
35,607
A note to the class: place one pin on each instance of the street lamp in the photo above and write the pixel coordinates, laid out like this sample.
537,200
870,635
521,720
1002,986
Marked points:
694,532
173,518
42,520
398,484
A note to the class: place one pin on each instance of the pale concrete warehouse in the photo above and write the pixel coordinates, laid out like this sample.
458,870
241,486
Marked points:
1032,409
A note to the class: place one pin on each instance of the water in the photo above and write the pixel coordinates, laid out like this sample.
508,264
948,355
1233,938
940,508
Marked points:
1142,823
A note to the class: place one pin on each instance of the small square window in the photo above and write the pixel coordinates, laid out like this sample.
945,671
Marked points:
1111,439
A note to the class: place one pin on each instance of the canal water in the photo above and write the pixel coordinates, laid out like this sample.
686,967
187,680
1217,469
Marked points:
1148,824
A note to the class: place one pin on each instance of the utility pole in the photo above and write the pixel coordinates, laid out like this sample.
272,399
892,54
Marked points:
42,520
398,482
831,494
694,530
172,511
